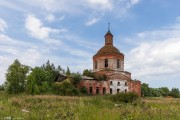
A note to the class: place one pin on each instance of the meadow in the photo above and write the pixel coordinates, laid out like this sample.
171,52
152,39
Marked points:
52,107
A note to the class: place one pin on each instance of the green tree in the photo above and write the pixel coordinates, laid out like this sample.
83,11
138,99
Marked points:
164,91
68,72
174,93
41,79
36,79
88,73
65,88
15,77
1,87
145,90
75,78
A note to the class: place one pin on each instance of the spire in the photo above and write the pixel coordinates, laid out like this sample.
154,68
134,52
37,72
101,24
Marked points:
108,36
108,26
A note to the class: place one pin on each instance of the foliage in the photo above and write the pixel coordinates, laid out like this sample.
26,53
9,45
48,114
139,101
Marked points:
145,90
164,91
88,73
41,79
15,77
1,87
175,93
68,72
97,76
64,88
83,90
125,97
75,78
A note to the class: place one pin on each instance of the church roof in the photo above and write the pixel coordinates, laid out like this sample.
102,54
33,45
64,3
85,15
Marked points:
108,49
109,33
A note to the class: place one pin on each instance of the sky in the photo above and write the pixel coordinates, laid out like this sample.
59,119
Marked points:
69,33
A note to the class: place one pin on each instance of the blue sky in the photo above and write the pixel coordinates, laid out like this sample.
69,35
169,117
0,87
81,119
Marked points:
69,33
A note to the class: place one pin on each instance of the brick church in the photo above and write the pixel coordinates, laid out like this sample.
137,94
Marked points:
110,61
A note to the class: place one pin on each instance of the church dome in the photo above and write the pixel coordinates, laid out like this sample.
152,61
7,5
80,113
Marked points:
107,50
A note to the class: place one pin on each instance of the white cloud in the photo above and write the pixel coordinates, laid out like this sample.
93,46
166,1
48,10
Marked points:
3,25
50,18
100,4
156,53
92,21
36,29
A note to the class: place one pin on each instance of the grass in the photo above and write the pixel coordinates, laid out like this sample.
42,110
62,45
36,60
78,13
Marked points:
51,107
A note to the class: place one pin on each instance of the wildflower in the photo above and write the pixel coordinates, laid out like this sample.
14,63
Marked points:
24,110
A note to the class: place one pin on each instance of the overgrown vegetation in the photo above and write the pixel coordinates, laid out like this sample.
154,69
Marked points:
97,76
124,97
51,107
1,87
40,80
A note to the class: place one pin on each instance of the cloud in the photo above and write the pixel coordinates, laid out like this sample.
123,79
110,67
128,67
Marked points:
92,21
100,4
3,25
156,53
36,28
50,17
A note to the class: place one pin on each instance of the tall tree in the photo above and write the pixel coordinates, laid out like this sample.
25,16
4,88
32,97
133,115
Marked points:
145,90
15,77
68,72
174,93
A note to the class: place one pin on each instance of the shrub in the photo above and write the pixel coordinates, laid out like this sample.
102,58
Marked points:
83,90
124,97
65,88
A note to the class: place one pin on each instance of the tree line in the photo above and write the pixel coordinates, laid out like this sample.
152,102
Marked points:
147,91
40,80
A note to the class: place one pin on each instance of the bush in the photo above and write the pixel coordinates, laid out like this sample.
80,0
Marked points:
65,88
83,90
124,97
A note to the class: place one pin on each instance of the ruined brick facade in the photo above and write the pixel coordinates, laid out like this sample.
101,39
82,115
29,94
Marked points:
110,61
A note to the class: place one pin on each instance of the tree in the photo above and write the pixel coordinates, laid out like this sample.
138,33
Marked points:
15,77
145,90
164,91
174,93
75,78
1,87
65,88
68,73
35,80
41,79
88,73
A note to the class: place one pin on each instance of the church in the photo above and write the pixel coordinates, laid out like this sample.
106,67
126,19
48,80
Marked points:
110,62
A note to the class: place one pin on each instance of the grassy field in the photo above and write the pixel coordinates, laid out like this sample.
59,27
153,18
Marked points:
51,107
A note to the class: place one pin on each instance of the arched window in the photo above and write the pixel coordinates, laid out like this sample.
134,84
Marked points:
118,63
118,84
111,82
106,62
125,83
96,64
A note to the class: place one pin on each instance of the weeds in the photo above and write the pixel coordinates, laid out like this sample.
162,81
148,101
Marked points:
86,108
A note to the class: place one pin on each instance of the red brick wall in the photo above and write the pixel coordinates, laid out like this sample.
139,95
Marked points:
94,84
136,87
